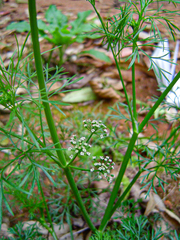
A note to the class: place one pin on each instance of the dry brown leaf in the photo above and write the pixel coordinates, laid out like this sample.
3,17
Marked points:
74,50
54,87
150,205
144,35
103,90
172,219
156,203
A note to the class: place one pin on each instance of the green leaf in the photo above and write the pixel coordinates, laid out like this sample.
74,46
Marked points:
97,54
15,187
61,36
8,207
46,173
78,24
19,26
83,95
55,16
96,151
42,26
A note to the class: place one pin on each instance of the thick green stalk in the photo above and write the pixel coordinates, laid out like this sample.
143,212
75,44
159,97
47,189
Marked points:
41,81
48,114
118,203
118,181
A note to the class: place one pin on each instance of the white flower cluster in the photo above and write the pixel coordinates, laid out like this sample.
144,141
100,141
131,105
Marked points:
79,146
103,167
95,126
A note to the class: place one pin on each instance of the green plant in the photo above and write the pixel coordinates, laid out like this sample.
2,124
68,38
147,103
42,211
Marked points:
37,153
29,233
59,31
130,228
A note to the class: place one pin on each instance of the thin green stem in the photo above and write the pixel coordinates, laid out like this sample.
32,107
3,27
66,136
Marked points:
79,199
50,55
48,214
48,114
116,62
82,169
158,102
134,92
166,140
76,154
61,54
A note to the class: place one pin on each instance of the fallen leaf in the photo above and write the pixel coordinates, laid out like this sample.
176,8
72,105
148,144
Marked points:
150,205
172,218
103,90
98,54
83,95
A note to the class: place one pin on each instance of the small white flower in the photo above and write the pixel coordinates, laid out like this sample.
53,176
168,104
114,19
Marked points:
88,153
92,130
94,157
92,169
85,125
97,164
110,179
81,153
70,148
101,136
71,156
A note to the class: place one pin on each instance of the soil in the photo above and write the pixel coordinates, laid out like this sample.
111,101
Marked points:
146,82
